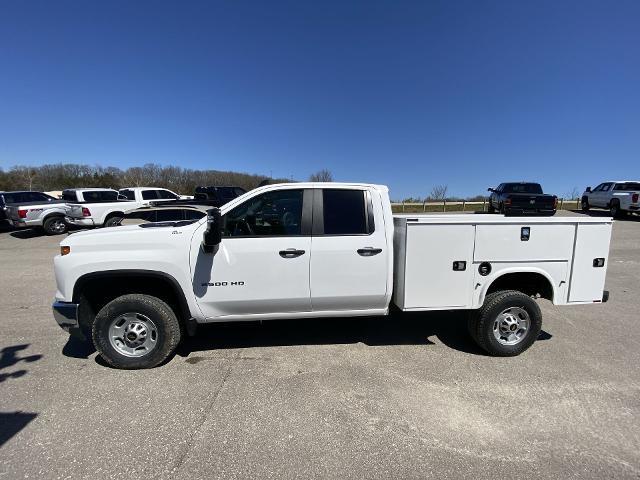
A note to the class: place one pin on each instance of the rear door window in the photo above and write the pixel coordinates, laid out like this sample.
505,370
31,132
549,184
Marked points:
166,195
149,194
100,196
627,187
344,212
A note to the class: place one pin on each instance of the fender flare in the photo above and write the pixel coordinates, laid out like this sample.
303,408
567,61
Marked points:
105,274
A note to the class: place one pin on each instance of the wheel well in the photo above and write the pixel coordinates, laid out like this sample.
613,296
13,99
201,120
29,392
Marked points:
51,215
94,291
530,283
114,214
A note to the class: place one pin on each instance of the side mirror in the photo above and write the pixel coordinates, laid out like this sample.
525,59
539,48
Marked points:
489,189
213,234
588,189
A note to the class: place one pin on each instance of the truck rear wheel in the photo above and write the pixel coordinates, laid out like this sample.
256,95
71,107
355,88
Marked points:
54,225
136,331
614,209
584,204
113,221
507,323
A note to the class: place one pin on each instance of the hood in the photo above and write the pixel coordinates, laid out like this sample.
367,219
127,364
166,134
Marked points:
127,235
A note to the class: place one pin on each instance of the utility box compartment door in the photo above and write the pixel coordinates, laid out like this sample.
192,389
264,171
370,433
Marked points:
510,242
430,278
587,279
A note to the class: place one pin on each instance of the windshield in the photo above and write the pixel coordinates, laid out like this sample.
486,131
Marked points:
534,188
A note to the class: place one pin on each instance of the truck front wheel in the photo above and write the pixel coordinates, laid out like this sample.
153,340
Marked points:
507,323
136,331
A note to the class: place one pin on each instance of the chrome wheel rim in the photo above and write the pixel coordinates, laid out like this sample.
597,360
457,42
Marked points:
57,226
511,326
133,334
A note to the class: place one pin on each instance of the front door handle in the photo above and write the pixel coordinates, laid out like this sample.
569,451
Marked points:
291,253
369,251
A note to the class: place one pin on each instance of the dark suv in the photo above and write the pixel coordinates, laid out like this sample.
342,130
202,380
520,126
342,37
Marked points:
218,196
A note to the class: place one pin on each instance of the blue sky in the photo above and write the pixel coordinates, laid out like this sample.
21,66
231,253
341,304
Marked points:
410,94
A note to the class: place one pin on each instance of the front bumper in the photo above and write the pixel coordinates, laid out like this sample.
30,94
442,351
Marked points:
66,314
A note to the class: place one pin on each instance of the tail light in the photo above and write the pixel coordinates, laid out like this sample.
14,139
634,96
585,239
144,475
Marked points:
634,198
507,201
22,213
86,212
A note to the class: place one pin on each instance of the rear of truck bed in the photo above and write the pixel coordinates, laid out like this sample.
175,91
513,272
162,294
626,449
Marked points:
453,261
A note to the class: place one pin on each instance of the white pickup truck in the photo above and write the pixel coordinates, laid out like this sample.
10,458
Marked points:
49,214
619,197
322,250
109,208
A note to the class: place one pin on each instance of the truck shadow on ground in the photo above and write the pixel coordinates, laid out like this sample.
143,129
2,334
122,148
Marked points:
449,328
27,233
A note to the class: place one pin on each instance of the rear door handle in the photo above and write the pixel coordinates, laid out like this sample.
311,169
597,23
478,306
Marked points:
369,251
291,253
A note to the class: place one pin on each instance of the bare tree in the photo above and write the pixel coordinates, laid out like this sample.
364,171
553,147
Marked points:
439,192
573,194
323,175
25,175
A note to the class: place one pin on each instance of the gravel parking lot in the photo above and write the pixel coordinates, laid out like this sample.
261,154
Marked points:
407,396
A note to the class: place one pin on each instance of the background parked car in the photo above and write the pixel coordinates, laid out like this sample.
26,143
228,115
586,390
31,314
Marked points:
146,195
620,197
524,198
22,196
47,213
218,196
95,207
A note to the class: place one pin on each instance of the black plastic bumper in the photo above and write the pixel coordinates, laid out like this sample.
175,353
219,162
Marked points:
66,314
605,296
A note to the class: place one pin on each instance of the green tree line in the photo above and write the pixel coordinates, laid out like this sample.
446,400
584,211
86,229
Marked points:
53,177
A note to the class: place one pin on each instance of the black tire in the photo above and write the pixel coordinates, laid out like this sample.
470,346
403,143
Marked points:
614,209
491,208
55,225
113,221
167,330
501,209
483,322
584,204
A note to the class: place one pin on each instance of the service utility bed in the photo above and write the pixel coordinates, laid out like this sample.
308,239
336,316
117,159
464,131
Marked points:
429,273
